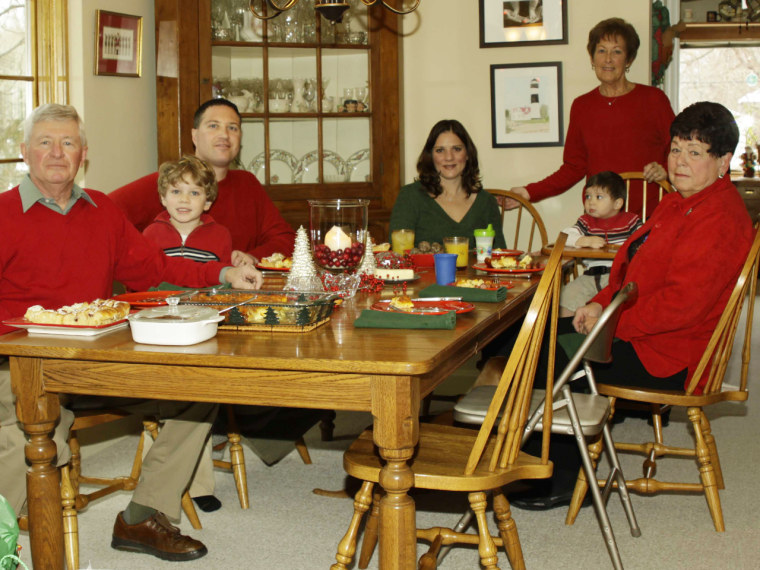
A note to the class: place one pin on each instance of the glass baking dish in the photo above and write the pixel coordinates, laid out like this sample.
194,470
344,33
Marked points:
267,310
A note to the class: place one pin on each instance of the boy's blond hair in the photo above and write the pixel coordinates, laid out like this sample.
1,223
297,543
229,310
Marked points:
173,172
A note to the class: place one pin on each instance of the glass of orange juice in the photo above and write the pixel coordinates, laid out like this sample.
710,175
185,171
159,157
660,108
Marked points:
460,246
402,240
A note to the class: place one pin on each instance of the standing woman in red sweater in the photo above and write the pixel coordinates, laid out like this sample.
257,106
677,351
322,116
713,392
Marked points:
619,126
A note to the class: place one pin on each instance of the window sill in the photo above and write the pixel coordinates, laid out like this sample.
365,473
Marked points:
719,32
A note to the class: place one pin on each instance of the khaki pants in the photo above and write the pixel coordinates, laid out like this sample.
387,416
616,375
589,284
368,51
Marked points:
167,468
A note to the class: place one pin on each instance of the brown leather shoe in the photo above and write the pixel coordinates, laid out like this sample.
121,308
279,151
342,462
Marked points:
156,536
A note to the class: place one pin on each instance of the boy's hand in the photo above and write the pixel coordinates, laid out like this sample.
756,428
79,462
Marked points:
594,242
244,277
242,258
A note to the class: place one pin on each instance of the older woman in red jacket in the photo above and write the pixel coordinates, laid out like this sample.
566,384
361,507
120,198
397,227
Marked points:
685,261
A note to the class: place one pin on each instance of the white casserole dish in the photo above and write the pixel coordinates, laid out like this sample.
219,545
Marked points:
174,326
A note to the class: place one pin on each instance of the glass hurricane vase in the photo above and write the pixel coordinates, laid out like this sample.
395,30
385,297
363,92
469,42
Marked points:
337,232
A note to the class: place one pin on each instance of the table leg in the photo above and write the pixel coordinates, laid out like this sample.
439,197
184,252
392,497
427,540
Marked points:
38,412
395,407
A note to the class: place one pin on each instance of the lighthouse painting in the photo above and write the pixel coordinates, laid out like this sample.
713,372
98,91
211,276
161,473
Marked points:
526,104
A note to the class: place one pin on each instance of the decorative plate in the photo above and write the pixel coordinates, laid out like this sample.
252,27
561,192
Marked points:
427,307
484,267
66,330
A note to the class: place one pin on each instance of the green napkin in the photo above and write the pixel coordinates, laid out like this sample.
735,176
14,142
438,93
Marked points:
469,294
370,319
164,286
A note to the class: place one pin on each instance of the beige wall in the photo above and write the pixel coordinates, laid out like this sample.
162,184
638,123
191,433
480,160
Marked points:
119,112
447,75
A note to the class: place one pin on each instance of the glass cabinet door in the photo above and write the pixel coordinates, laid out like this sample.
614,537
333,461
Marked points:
302,85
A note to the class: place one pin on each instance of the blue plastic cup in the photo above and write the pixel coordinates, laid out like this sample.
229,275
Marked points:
445,268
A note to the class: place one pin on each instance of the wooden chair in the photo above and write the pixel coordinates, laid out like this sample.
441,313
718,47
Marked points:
575,414
523,227
710,372
73,500
634,182
458,459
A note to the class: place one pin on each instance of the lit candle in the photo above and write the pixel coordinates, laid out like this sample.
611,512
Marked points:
336,238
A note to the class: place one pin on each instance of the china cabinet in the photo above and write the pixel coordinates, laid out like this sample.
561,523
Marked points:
320,101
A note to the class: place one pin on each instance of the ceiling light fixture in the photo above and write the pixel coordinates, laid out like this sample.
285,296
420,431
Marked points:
333,10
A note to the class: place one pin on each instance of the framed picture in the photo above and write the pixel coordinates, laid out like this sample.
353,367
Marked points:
118,44
526,104
522,22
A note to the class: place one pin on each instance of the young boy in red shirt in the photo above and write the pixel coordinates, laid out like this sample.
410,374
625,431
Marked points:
187,188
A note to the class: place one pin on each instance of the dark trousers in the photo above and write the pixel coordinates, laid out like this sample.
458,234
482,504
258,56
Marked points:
625,370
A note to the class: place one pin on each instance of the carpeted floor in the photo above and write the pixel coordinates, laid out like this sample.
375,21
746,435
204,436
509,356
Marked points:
289,527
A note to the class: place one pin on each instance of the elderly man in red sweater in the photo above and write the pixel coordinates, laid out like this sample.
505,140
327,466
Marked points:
242,206
61,244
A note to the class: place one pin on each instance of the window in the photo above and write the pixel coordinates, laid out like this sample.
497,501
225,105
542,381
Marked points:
728,75
17,85
33,71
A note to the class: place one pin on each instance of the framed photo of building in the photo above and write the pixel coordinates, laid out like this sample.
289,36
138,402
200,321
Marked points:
526,104
522,22
118,44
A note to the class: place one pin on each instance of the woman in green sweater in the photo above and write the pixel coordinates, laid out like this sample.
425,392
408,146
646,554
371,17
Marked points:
448,198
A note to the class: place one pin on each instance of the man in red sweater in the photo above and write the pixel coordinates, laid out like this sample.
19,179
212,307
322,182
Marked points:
242,206
59,245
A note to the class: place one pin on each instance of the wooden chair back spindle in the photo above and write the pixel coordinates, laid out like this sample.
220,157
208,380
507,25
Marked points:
715,358
663,188
510,405
527,229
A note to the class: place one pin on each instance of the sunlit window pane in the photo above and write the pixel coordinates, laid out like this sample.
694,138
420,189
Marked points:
16,104
15,47
726,75
11,174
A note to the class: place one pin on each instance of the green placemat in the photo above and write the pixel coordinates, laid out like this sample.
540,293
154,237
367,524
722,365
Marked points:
370,319
164,286
469,294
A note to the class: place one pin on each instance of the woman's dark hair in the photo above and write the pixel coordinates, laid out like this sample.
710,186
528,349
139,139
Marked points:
615,27
610,181
710,123
429,176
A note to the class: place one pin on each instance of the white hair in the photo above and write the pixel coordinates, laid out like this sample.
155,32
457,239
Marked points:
53,112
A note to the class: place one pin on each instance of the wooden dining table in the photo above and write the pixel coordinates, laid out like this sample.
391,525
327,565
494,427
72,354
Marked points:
386,372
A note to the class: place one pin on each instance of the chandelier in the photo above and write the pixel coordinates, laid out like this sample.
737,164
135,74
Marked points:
331,9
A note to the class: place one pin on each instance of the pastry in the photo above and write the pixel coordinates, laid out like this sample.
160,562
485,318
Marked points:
97,313
402,303
276,261
394,274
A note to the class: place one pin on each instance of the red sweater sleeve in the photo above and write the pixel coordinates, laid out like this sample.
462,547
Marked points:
139,200
621,134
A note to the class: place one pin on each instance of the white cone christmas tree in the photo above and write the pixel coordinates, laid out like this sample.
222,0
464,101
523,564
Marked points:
368,264
303,274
